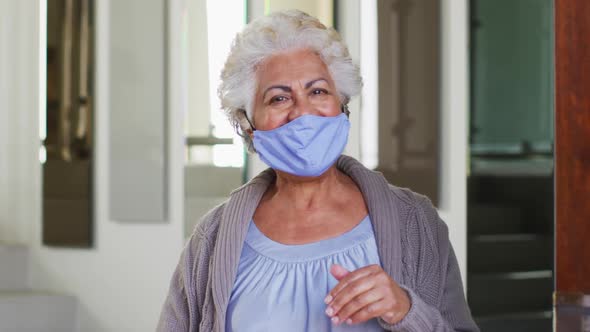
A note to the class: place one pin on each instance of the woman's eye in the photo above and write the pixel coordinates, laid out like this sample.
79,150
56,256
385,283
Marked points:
319,91
277,99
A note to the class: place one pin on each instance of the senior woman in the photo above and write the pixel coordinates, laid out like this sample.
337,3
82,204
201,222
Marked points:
317,242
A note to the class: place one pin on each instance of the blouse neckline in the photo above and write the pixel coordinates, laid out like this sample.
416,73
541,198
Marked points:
277,251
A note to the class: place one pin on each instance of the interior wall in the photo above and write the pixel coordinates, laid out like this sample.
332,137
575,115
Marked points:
137,105
348,18
122,281
19,135
409,89
197,119
322,9
454,124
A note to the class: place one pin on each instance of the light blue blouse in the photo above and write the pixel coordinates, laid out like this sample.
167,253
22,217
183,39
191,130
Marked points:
282,287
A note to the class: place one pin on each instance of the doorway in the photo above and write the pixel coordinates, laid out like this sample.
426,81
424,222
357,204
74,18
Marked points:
511,169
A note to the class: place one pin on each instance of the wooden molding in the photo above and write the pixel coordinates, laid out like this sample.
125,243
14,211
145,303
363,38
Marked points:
572,137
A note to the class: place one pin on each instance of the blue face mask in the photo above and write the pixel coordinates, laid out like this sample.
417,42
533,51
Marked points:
306,146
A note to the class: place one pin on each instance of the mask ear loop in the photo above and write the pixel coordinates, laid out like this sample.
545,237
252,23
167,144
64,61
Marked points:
345,110
250,123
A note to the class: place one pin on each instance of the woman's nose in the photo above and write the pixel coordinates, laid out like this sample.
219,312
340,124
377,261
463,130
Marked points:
302,106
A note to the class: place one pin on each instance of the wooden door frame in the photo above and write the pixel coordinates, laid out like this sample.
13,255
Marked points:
572,161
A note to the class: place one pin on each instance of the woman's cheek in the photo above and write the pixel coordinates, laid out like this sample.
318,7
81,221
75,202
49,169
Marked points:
272,122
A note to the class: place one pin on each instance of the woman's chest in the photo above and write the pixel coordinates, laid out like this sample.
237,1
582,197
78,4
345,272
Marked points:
283,287
293,228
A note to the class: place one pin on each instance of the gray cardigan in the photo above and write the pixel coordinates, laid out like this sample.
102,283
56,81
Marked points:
412,240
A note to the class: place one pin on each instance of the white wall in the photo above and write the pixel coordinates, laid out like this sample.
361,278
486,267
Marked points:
137,97
19,133
454,127
120,283
349,19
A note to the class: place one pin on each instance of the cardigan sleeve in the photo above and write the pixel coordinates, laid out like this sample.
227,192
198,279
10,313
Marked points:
176,312
436,292
185,307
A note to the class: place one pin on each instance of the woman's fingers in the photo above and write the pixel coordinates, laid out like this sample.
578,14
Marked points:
391,309
338,271
350,293
372,310
362,307
349,278
364,294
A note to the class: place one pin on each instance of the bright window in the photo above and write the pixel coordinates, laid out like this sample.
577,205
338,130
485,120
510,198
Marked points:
206,56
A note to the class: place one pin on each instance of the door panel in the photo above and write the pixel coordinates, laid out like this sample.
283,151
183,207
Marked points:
572,298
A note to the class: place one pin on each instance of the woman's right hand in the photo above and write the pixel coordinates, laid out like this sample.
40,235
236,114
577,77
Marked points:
365,293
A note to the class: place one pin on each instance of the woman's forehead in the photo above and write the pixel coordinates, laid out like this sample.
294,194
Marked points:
301,66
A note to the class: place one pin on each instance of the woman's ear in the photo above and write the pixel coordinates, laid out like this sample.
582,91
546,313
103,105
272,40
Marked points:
345,110
245,123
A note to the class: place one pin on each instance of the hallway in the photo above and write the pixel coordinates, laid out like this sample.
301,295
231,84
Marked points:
113,146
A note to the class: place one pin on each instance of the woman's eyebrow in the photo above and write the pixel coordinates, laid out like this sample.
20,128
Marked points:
288,89
312,82
282,87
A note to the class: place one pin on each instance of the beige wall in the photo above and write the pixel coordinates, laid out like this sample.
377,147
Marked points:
197,120
322,9
409,88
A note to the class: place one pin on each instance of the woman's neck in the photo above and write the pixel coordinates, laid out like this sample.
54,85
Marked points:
309,193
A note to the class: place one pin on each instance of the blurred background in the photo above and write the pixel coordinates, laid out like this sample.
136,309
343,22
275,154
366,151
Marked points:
113,144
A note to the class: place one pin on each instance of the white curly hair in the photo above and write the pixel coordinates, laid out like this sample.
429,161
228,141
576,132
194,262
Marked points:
268,36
